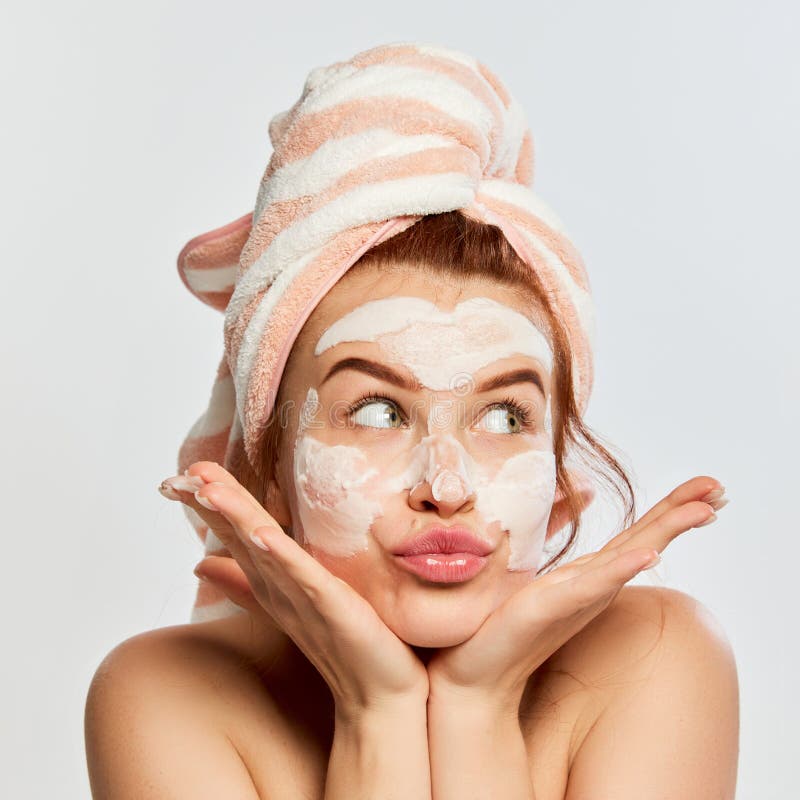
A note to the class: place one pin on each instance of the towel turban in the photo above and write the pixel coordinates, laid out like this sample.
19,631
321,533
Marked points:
372,145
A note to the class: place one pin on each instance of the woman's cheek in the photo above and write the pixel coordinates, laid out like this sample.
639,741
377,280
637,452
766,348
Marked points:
515,487
336,502
520,498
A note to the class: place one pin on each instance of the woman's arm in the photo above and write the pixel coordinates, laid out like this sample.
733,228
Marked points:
476,750
491,669
380,754
378,684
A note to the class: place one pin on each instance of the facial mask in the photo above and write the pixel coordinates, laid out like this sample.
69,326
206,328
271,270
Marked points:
519,495
440,346
335,510
339,490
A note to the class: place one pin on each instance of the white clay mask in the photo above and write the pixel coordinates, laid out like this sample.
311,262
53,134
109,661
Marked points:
440,346
341,489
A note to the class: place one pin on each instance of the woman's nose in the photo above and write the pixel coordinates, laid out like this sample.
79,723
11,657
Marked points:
448,494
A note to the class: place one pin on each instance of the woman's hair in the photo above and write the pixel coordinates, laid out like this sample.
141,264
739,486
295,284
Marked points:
454,246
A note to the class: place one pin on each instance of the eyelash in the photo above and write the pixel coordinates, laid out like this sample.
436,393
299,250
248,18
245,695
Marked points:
370,398
524,415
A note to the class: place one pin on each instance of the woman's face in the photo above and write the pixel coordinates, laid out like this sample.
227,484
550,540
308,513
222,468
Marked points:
408,405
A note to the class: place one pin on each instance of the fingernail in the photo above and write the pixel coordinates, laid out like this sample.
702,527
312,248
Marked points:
199,575
714,494
718,504
256,539
204,501
711,519
168,491
186,483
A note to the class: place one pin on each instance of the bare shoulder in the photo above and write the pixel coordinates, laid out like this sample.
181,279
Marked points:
165,712
199,664
645,624
662,700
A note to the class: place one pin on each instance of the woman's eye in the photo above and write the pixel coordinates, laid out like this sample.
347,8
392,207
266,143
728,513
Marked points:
502,420
377,414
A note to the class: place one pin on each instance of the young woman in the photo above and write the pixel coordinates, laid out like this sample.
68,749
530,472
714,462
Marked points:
378,617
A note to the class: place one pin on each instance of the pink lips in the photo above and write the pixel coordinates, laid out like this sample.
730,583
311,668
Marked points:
444,555
438,539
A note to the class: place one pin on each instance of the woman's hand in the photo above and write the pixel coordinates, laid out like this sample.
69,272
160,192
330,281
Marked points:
364,663
494,664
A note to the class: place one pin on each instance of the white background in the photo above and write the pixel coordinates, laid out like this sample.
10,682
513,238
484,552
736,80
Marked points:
666,139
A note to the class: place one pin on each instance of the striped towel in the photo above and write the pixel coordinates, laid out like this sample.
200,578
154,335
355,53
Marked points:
373,144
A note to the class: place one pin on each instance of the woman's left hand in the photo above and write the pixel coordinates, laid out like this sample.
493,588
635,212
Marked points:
494,664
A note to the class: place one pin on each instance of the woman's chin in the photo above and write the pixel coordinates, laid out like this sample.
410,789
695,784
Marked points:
435,627
435,639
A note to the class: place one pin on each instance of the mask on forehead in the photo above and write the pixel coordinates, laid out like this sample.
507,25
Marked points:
342,489
441,347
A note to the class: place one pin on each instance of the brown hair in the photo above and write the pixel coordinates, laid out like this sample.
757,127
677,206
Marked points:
458,247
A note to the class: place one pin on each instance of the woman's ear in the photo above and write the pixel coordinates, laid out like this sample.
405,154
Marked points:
560,515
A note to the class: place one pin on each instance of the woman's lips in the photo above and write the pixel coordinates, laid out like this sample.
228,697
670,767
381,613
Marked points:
444,554
443,567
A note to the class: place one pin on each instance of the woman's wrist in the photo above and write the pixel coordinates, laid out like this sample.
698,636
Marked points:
354,713
380,751
476,746
498,703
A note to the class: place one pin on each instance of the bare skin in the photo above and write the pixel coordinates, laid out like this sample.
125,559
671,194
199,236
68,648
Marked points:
240,692
613,691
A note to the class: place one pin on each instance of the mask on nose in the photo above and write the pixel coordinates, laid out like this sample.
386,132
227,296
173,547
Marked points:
441,462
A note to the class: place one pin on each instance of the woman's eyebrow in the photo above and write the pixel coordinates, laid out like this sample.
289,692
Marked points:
524,375
377,370
384,373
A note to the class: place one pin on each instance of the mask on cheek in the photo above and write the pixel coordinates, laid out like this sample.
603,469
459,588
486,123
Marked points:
336,509
520,497
340,492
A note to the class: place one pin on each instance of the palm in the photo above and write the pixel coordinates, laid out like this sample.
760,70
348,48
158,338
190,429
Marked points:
486,651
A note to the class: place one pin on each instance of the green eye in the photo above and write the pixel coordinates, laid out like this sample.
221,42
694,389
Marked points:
502,420
377,414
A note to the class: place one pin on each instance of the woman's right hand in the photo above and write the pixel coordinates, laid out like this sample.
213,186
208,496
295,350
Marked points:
366,665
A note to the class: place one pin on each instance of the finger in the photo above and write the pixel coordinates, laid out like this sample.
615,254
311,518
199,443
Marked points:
663,530
195,477
284,561
695,489
284,566
186,488
581,565
226,533
594,585
228,576
235,505
319,597
658,534
211,472
291,567
224,569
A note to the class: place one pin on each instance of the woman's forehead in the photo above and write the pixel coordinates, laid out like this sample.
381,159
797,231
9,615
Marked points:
367,305
434,341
